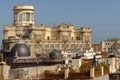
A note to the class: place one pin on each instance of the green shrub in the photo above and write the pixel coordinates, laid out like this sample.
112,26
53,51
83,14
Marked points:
71,70
62,71
84,68
48,72
98,67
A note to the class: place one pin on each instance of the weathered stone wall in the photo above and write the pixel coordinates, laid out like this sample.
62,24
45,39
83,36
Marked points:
4,71
30,72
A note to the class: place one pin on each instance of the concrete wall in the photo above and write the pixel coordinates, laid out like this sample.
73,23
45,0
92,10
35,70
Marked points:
76,62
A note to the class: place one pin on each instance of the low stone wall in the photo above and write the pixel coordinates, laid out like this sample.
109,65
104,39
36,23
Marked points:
31,71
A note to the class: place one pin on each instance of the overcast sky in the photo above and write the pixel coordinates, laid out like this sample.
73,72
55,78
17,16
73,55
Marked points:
103,16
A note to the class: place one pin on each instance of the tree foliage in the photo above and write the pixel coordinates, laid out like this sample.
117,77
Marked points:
48,72
98,67
72,70
112,39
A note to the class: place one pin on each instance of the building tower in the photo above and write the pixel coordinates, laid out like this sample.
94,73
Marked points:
23,15
41,39
86,36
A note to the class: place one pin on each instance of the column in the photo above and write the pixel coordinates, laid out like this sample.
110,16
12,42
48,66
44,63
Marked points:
23,16
110,69
16,17
102,71
92,72
66,73
117,64
30,17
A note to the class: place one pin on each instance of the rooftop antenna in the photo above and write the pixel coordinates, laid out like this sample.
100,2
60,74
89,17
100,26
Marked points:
54,25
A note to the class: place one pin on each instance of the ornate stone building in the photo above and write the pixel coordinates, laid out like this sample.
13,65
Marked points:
41,38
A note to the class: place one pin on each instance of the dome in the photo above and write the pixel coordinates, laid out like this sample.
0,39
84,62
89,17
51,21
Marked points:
20,49
55,54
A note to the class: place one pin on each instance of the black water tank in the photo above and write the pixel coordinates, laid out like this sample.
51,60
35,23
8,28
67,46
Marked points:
55,54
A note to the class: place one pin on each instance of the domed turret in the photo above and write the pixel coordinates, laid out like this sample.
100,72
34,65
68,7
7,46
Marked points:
23,15
55,54
20,49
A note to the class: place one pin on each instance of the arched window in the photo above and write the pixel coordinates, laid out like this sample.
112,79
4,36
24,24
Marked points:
48,38
20,17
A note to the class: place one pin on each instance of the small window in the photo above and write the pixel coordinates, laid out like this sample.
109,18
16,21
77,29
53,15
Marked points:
72,38
20,17
48,38
78,38
107,43
27,17
15,15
